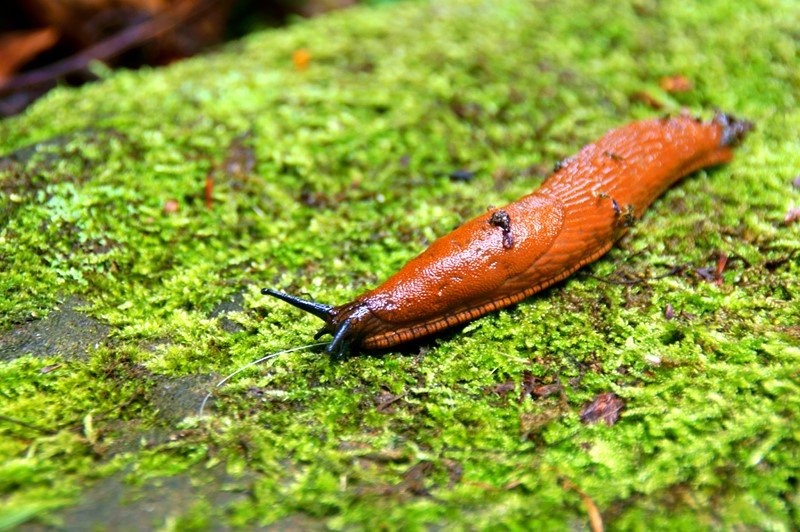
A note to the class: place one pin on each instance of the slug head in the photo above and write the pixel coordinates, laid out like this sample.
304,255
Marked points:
342,322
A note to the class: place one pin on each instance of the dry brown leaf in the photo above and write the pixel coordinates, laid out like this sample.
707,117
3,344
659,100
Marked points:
792,216
301,58
312,8
19,47
171,206
647,99
87,22
673,84
605,407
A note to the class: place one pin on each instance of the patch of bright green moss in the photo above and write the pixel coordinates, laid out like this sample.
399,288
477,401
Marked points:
325,182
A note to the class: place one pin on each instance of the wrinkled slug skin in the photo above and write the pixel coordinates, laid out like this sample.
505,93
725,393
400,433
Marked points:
506,255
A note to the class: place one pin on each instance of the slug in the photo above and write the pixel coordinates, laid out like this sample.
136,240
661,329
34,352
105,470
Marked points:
510,253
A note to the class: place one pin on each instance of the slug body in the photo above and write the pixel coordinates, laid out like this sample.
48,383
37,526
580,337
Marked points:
512,252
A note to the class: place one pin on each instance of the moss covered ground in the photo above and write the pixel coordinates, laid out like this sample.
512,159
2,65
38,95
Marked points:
124,298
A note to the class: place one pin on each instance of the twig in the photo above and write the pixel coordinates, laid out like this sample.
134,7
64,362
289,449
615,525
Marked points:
27,425
108,48
595,519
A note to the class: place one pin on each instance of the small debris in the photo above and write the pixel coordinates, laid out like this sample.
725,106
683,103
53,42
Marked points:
528,384
301,59
653,360
462,175
455,472
595,519
50,368
605,407
646,98
722,260
675,84
385,400
546,390
669,312
171,206
413,482
792,216
503,220
209,190
240,159
466,110
714,274
796,181
531,425
706,274
502,389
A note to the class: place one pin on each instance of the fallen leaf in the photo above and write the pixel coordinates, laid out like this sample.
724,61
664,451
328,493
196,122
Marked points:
647,99
385,400
722,260
605,407
51,367
792,216
19,47
171,206
673,84
502,389
706,274
546,390
527,385
301,58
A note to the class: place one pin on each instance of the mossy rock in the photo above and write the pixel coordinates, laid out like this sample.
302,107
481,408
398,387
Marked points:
325,181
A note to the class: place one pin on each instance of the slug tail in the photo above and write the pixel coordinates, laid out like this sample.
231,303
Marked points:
734,130
323,312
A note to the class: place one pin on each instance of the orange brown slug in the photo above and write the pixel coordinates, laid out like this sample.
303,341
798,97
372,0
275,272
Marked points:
510,253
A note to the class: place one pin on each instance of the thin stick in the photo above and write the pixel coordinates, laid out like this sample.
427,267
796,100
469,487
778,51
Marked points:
251,364
108,48
595,519
26,425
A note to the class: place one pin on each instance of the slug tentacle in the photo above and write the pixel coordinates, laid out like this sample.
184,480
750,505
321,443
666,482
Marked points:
340,341
510,253
734,130
339,321
312,307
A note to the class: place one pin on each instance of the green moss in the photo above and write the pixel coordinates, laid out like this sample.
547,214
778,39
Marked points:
325,182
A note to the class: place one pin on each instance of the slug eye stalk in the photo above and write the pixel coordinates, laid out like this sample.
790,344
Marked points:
319,310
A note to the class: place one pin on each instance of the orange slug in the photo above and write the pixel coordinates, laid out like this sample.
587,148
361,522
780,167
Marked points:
510,253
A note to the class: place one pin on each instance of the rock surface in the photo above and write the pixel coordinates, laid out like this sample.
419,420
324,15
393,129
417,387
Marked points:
140,216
